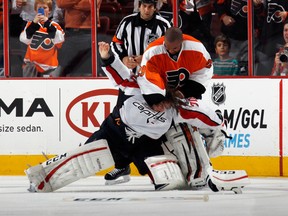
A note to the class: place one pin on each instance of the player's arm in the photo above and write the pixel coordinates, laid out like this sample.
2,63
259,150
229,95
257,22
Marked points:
152,85
201,71
118,48
115,69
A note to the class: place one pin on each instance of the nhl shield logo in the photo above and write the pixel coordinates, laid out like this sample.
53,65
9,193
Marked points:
152,37
218,93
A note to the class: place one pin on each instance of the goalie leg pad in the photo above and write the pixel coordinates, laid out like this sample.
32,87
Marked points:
166,172
186,148
69,167
183,151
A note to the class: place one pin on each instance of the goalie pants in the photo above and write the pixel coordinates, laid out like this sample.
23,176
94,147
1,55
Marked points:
123,151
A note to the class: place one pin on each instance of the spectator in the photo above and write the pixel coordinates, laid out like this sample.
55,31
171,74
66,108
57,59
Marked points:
43,38
75,57
22,11
133,35
274,14
233,16
281,58
196,17
224,64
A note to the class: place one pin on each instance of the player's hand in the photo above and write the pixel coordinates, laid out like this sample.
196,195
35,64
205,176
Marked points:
130,62
138,59
103,49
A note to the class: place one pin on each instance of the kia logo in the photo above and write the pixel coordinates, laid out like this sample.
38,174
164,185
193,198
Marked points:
88,110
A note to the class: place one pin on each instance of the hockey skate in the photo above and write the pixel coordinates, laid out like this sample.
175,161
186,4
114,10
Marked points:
118,176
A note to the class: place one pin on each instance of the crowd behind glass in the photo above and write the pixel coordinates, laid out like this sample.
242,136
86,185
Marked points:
221,25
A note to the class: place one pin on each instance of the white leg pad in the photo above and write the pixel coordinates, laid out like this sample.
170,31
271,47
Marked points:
69,167
166,172
186,148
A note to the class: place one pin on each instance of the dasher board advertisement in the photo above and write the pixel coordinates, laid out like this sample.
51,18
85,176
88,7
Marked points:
51,116
251,107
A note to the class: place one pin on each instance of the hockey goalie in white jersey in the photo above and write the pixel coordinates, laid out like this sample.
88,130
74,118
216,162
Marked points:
134,123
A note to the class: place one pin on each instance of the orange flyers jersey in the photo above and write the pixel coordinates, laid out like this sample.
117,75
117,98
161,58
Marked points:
43,50
159,70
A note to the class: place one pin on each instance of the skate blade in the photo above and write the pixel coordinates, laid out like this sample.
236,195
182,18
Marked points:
118,181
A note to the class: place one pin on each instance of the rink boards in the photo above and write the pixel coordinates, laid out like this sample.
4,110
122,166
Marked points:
54,116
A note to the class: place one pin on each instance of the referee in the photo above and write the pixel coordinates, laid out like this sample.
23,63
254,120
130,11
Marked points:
136,31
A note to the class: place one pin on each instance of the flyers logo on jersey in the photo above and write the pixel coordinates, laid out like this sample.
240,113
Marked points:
273,13
239,8
41,39
177,78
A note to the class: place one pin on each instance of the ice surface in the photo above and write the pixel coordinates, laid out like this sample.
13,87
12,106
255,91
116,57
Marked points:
263,197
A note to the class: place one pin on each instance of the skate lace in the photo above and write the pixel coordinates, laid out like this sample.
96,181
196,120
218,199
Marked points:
116,171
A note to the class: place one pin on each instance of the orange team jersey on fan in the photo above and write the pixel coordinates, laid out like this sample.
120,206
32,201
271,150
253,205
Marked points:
42,50
159,69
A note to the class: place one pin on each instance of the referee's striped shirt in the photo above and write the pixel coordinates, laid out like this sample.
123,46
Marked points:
134,34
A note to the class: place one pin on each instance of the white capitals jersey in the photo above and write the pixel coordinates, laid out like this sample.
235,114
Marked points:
136,114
